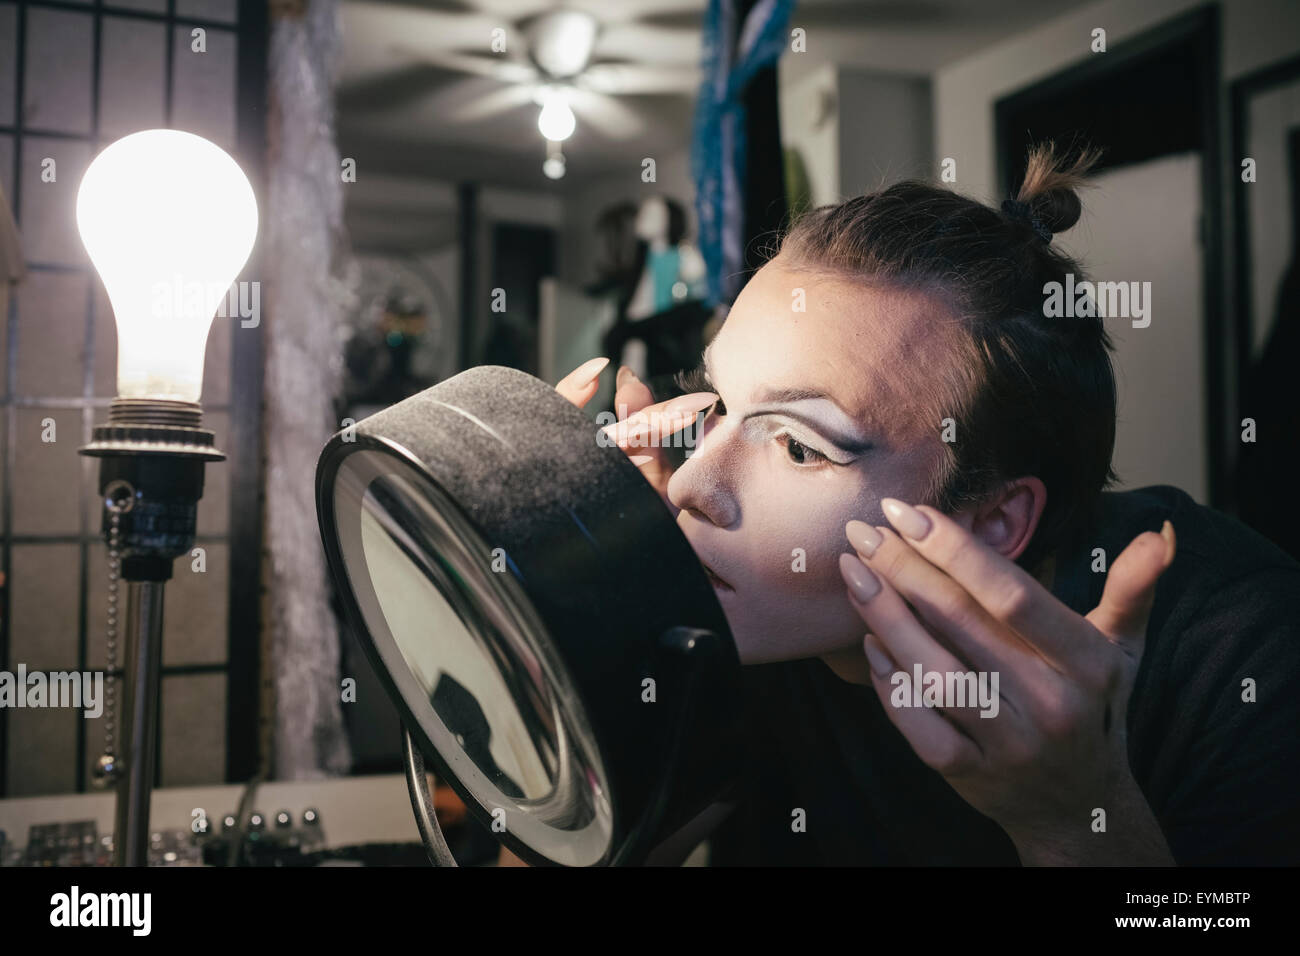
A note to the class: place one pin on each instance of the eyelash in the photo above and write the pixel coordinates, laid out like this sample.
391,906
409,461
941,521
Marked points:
697,380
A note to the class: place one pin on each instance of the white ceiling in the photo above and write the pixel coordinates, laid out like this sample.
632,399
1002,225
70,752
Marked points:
394,110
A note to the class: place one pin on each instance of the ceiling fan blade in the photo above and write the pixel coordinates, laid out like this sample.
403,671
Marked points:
391,88
639,43
484,106
605,114
616,78
641,11
497,66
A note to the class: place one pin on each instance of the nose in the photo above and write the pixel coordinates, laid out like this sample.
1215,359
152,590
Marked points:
705,484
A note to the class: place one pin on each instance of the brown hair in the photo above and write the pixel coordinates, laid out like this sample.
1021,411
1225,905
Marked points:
1029,395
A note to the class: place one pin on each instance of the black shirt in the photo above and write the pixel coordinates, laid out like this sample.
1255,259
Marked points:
1221,775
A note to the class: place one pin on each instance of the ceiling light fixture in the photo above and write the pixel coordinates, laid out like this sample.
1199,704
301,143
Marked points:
562,41
556,121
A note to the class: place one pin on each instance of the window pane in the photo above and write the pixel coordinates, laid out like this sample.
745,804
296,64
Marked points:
48,218
47,475
204,89
43,583
8,61
52,336
59,53
194,730
132,76
224,11
42,752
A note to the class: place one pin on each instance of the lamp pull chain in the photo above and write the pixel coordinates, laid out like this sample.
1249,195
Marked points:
106,767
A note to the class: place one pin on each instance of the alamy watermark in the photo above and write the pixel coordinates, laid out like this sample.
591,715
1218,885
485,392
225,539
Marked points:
78,689
239,300
676,430
74,908
947,689
1107,300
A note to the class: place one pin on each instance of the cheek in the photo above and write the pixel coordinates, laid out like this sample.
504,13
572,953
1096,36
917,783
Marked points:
798,535
795,604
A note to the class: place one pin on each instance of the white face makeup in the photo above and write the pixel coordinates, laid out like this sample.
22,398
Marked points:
819,418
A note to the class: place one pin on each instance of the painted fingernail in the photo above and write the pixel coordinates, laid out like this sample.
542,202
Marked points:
690,404
864,538
1167,532
862,583
880,663
625,375
584,373
909,522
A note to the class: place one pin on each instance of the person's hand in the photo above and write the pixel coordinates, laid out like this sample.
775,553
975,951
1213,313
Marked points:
1054,751
643,426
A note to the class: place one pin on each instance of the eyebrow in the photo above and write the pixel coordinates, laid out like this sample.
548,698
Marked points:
849,441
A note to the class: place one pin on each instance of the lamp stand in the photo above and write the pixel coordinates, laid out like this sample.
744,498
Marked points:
152,455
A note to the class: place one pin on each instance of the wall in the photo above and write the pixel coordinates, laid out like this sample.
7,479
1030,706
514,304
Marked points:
809,108
856,129
885,130
1141,222
1255,33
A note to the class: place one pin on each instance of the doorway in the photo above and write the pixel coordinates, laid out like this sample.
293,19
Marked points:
1155,215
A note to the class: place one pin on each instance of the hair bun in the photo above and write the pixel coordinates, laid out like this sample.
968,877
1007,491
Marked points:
1051,184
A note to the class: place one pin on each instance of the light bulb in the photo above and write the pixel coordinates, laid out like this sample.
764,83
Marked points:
168,220
553,167
556,120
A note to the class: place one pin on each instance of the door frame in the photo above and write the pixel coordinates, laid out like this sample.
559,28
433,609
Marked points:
1220,347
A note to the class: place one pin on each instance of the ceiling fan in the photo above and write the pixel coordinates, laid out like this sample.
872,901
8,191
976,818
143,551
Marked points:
575,57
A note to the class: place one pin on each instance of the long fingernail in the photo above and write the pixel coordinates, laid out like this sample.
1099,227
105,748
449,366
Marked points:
587,371
880,663
864,538
909,522
689,404
862,583
625,375
1167,532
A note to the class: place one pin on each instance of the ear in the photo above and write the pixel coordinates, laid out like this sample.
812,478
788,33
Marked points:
1007,519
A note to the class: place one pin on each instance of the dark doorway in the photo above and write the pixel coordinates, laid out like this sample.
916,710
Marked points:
1267,296
521,257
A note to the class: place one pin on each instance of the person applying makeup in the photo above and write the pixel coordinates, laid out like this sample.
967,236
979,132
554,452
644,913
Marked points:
960,647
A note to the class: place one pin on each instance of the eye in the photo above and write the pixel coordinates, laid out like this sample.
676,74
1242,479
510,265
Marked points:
800,453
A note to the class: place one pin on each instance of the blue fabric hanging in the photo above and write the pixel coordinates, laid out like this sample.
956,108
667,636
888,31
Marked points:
718,162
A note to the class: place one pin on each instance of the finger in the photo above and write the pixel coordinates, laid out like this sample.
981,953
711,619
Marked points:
946,608
1005,590
650,427
935,739
889,618
583,382
1130,589
630,393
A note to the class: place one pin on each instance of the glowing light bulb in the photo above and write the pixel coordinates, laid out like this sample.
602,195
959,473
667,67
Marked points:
168,219
556,120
